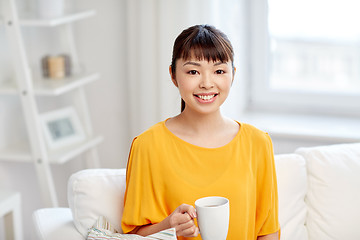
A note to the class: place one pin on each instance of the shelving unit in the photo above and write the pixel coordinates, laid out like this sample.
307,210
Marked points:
22,152
28,89
67,18
51,88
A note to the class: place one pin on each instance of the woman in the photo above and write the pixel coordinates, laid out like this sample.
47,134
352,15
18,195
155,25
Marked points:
201,153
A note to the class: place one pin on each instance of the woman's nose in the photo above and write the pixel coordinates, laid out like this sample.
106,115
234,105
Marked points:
206,82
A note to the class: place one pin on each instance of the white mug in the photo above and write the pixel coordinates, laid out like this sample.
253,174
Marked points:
213,217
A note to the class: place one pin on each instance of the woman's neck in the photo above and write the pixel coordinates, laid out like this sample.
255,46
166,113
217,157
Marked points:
204,130
201,123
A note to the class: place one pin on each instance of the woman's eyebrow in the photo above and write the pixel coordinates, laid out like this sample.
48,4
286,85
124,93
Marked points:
192,63
198,64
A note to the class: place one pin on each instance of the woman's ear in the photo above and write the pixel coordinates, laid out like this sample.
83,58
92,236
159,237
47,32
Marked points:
172,76
233,76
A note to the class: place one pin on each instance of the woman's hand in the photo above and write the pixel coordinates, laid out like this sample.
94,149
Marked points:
182,219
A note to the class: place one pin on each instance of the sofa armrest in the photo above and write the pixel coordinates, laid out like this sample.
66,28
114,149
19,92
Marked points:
55,224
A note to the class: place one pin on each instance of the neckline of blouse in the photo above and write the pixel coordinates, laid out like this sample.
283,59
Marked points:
200,147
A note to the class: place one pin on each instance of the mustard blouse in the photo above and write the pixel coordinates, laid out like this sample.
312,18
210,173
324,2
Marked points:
165,171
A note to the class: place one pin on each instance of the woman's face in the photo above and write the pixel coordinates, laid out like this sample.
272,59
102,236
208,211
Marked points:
203,85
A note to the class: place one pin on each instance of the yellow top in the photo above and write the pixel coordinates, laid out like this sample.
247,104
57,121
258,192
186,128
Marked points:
165,171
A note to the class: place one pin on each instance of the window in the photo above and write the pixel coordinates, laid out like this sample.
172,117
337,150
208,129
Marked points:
306,55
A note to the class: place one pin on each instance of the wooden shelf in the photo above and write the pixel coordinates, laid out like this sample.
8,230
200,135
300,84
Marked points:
51,22
22,153
51,87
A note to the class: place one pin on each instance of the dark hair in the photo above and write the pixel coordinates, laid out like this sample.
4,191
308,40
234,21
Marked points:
201,42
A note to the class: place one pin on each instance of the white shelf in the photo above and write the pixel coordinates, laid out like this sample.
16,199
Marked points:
51,22
19,153
8,88
22,153
51,87
66,154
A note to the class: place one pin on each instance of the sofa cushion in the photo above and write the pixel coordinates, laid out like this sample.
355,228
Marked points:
292,187
96,192
334,191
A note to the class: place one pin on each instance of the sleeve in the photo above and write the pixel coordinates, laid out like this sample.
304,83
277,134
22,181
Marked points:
267,200
140,200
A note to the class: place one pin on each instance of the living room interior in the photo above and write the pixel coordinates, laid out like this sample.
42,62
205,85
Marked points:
297,78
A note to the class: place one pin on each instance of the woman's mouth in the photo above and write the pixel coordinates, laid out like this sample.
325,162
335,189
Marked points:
206,98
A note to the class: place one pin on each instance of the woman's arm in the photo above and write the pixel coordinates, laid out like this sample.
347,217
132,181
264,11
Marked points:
273,236
181,219
150,229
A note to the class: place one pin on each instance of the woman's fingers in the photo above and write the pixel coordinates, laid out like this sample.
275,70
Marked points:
187,229
184,208
179,218
182,220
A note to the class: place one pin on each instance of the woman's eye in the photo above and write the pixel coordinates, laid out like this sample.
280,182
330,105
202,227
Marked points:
193,72
219,72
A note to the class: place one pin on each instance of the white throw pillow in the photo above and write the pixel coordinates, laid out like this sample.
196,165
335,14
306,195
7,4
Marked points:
334,191
292,188
96,192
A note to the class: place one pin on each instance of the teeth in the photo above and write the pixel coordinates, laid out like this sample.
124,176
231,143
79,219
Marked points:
206,97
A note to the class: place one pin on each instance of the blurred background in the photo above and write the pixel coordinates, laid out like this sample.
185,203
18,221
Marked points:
298,74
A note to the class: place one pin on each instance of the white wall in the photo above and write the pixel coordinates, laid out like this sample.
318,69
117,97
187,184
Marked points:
102,44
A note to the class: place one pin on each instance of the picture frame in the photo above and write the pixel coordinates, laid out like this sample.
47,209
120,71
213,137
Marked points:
62,128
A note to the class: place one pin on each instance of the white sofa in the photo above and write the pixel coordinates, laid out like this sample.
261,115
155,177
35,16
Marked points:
319,197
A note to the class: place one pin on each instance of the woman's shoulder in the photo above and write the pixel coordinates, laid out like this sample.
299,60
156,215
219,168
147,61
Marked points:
253,132
155,132
258,141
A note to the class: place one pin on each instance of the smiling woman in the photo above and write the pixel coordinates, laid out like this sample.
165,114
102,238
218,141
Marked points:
198,152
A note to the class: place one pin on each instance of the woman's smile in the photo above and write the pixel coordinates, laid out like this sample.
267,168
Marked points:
206,97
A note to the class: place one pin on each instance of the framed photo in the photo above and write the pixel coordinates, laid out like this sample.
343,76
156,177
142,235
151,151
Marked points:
62,128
